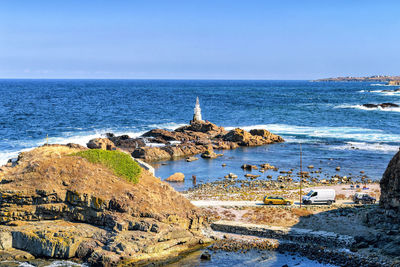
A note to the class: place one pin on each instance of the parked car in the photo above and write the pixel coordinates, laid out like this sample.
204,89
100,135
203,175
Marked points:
363,198
275,200
320,196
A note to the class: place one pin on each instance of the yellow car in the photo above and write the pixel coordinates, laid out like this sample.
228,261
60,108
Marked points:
273,200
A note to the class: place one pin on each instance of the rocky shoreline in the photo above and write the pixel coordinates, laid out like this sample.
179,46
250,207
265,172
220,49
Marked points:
56,204
392,80
200,137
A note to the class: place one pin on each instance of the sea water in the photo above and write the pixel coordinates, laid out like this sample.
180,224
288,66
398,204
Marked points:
327,118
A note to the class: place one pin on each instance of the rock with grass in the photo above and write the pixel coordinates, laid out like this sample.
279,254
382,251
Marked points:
66,202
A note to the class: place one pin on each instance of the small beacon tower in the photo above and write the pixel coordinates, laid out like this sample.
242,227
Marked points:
197,112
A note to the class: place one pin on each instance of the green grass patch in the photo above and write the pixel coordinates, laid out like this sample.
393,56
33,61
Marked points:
120,163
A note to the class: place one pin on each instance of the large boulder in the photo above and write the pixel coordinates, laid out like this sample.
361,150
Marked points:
163,134
390,185
176,177
267,135
238,136
101,143
125,142
209,128
169,152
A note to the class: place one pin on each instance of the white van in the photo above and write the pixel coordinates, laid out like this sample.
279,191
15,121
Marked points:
320,196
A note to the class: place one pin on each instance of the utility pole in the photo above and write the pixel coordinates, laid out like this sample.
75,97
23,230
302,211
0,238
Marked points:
301,174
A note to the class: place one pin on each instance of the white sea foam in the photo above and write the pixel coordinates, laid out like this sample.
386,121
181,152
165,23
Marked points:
347,133
167,125
382,148
393,109
381,84
155,144
80,138
382,92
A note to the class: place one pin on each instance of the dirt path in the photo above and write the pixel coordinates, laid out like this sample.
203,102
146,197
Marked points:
221,203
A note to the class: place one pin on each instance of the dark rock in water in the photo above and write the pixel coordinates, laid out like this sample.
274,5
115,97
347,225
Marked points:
209,154
205,256
383,105
190,159
370,105
249,167
388,105
390,185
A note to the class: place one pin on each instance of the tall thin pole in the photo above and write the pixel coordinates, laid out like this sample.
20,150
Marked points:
301,173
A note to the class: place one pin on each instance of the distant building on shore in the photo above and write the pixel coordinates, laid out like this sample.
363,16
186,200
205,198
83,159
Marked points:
197,112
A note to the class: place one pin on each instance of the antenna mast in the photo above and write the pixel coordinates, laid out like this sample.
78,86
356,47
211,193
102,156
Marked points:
301,174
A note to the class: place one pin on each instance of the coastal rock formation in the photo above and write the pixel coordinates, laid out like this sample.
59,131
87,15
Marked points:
176,177
189,140
101,143
55,203
256,137
390,185
394,82
383,105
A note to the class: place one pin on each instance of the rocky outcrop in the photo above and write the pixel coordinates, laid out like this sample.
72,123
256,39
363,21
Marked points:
58,205
383,105
390,185
168,152
101,143
267,135
176,177
395,82
196,138
254,138
210,154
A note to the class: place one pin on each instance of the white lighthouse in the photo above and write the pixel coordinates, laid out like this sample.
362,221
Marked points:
197,111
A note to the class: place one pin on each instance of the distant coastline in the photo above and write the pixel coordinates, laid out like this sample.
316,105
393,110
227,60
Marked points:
391,80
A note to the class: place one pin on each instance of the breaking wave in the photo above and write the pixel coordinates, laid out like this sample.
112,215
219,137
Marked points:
384,148
80,138
394,109
347,133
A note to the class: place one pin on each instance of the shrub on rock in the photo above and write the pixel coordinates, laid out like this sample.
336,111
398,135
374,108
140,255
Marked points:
121,163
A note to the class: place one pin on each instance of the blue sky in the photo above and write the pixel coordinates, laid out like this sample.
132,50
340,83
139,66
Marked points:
198,39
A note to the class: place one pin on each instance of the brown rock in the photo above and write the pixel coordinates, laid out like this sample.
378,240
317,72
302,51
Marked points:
176,177
101,143
390,185
68,207
273,138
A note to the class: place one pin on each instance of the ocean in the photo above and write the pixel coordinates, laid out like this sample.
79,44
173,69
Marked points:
327,118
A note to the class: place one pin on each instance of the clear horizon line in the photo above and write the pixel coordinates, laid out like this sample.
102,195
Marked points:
165,79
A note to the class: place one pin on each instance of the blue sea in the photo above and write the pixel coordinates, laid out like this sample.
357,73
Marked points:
325,117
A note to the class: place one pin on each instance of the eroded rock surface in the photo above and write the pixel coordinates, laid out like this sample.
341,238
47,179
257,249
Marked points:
390,185
54,204
196,138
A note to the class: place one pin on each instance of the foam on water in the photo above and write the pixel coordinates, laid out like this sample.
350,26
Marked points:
381,84
80,138
394,109
349,133
167,125
378,147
